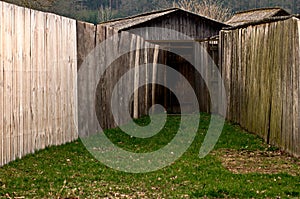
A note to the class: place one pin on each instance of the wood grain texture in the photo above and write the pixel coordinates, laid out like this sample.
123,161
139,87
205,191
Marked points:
260,67
2,134
33,71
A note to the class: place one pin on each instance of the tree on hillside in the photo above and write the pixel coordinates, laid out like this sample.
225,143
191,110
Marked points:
133,7
213,9
104,14
43,5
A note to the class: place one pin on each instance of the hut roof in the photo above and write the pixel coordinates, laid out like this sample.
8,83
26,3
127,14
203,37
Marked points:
128,22
263,21
255,15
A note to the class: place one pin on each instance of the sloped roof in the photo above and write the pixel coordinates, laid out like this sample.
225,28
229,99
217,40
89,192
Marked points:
255,15
263,21
125,23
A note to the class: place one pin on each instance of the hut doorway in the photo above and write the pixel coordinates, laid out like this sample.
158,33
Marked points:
171,57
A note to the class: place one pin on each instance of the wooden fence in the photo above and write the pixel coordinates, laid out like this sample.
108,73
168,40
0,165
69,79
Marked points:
37,81
260,67
89,36
40,52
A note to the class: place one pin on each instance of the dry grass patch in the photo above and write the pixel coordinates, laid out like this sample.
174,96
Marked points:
262,162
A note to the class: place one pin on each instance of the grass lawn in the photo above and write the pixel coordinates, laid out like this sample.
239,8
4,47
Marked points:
240,166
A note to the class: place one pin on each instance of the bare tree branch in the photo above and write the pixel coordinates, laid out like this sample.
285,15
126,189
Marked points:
210,8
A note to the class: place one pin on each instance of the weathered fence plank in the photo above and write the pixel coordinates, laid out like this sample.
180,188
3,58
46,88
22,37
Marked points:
2,135
7,15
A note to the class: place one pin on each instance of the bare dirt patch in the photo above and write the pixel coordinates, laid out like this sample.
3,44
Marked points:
263,162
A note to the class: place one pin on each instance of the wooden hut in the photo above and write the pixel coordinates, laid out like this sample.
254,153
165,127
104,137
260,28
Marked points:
245,17
195,27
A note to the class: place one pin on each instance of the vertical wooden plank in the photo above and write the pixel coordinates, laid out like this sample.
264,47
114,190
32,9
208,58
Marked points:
76,130
73,80
70,88
108,80
142,77
15,98
296,132
136,79
50,69
208,77
70,74
265,83
55,86
43,82
227,68
64,79
223,52
41,78
276,89
114,75
271,45
285,74
33,102
287,59
233,76
86,43
1,88
244,75
295,89
258,73
154,74
297,114
59,107
91,76
7,16
46,106
27,82
146,76
252,80
19,71
248,42
68,79
131,63
239,76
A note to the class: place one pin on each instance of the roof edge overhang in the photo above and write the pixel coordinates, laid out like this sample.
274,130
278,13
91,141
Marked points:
168,11
263,21
266,8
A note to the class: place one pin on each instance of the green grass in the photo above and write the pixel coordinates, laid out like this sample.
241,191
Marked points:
69,171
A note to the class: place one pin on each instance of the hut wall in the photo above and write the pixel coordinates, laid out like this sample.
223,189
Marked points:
260,67
185,26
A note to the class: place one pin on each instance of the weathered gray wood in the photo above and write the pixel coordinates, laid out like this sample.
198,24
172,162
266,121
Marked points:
30,57
261,74
7,16
136,79
154,73
85,44
20,28
2,134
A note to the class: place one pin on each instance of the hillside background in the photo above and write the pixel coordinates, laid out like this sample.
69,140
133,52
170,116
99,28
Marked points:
95,11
